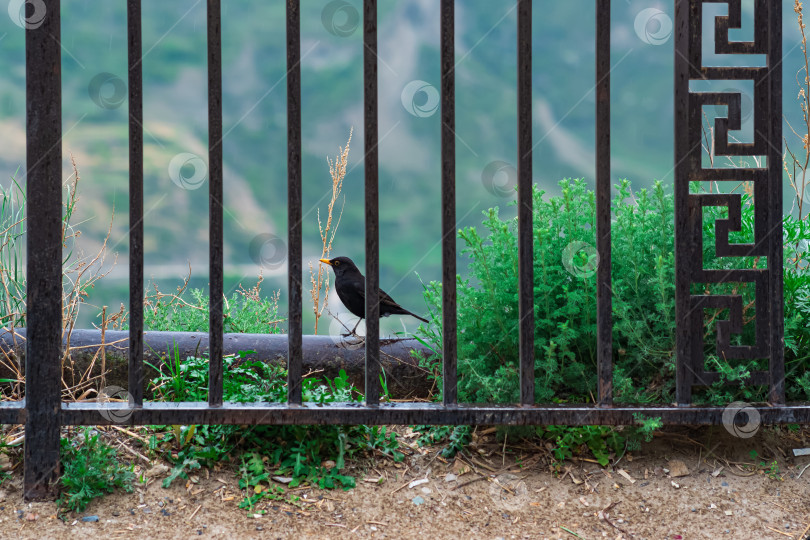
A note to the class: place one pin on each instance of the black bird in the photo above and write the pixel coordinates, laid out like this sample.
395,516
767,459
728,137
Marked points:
350,285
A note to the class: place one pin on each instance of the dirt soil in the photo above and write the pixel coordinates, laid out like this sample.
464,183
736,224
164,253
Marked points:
686,484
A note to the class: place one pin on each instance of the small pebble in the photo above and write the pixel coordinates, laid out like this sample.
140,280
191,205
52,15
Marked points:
417,500
90,519
724,483
259,528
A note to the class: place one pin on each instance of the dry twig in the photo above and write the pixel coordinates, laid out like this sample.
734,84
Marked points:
320,279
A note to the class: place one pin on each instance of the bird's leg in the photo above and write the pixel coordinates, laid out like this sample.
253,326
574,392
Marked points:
354,330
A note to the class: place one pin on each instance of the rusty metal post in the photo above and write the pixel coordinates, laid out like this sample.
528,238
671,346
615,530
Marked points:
43,85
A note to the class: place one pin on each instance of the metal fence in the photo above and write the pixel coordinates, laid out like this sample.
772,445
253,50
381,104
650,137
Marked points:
43,412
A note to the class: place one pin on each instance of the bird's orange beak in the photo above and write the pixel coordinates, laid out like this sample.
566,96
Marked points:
326,261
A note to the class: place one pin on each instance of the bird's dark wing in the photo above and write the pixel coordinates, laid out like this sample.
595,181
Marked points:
386,300
358,288
353,295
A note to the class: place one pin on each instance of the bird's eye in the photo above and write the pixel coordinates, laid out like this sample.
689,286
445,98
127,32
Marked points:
337,263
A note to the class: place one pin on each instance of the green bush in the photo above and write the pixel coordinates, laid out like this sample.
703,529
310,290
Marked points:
643,268
246,312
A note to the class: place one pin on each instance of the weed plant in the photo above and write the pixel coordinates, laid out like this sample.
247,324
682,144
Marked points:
246,312
91,468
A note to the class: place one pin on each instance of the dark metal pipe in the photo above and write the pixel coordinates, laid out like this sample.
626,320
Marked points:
215,200
449,307
295,232
372,201
414,413
43,98
776,296
134,47
525,203
604,298
324,355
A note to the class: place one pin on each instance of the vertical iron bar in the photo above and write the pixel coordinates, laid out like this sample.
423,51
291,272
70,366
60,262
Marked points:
683,241
215,202
43,84
448,88
372,203
136,292
524,202
604,299
294,239
776,246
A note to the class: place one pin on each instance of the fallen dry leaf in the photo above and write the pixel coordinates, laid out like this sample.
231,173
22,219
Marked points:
678,468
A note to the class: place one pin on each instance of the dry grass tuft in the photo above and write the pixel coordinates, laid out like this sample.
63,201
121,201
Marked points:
796,166
80,272
320,279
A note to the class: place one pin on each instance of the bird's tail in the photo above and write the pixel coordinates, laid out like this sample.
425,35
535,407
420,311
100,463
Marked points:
415,316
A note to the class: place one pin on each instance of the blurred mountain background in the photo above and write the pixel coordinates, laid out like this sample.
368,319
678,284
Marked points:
94,37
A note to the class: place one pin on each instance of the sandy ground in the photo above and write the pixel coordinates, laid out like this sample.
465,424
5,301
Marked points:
640,497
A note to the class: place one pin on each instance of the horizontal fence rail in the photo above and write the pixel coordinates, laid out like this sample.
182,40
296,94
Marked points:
44,413
162,413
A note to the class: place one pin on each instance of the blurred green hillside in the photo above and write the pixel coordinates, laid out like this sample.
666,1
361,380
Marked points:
175,121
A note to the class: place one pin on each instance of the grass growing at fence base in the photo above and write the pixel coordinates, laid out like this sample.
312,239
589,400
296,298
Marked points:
311,454
91,468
